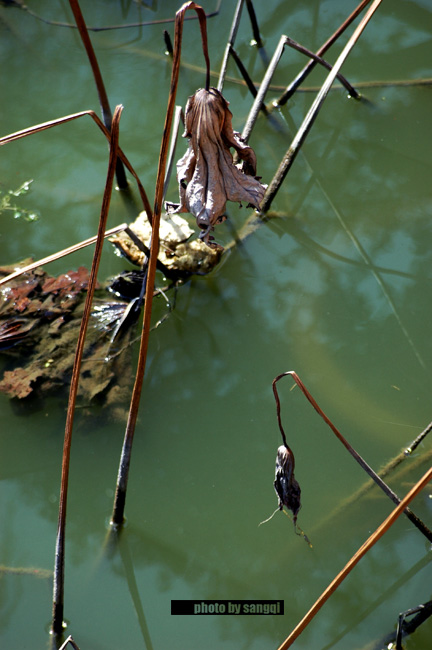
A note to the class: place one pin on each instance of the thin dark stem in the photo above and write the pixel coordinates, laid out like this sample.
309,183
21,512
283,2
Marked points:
103,97
245,74
145,23
310,66
254,23
423,612
415,443
117,517
145,249
168,43
378,480
304,129
304,50
58,588
278,408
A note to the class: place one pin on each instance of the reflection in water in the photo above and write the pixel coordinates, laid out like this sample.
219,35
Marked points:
338,291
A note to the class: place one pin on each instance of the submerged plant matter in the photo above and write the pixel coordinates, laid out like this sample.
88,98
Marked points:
39,320
207,175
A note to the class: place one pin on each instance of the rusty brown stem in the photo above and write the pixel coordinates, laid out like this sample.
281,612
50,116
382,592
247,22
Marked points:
378,480
68,118
117,517
371,541
103,97
60,254
306,126
302,75
58,589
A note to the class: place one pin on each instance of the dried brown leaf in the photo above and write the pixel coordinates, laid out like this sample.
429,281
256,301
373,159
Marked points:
285,484
207,175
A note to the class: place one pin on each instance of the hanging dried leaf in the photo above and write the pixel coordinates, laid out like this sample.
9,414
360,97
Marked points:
207,175
285,484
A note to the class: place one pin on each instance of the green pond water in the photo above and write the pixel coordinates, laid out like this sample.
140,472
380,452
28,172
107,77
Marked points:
337,287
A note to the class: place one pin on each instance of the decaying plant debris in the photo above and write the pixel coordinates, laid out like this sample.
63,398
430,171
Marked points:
207,175
285,484
39,320
178,252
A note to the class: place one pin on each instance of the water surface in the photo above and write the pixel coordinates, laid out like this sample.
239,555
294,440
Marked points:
336,287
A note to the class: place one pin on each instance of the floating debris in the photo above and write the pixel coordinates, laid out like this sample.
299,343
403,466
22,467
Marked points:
40,317
177,253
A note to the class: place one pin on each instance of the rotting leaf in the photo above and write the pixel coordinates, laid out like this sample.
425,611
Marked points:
40,318
20,382
286,487
207,175
285,484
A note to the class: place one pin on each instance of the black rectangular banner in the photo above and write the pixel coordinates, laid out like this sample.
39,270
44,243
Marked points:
217,607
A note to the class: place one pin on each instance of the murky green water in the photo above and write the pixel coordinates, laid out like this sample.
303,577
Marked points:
337,288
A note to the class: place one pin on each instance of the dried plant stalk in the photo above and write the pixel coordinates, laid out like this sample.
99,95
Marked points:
371,541
68,118
58,588
60,254
418,523
285,484
304,129
103,97
117,516
311,64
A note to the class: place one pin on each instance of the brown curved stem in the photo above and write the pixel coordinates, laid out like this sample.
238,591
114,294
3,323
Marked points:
378,480
380,531
103,97
37,128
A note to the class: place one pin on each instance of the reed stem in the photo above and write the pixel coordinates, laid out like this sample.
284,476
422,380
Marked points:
58,588
371,541
117,517
304,129
374,476
230,43
103,97
311,64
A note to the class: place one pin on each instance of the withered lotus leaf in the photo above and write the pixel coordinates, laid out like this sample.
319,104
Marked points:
285,484
207,175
